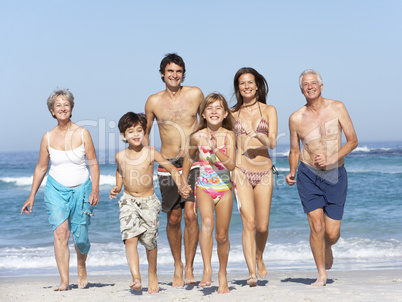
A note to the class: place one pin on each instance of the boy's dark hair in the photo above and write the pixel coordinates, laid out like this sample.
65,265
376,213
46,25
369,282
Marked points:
172,58
131,119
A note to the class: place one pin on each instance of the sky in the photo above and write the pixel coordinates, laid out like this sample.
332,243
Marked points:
107,53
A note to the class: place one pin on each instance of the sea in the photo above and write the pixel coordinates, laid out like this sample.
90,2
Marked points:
371,231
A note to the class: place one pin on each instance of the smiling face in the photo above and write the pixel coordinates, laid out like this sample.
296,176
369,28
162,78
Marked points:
173,75
311,87
62,108
247,87
214,113
134,135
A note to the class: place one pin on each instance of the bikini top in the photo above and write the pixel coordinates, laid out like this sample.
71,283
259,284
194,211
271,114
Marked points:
68,167
262,126
209,162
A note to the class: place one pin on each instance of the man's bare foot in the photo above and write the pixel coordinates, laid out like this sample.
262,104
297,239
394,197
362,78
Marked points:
153,286
178,276
62,287
262,270
321,281
82,277
223,284
252,280
329,258
136,285
189,276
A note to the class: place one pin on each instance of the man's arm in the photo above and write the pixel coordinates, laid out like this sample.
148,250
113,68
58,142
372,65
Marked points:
181,184
150,116
350,135
348,130
198,95
294,153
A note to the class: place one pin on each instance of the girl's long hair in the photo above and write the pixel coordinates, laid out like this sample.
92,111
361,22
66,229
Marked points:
228,121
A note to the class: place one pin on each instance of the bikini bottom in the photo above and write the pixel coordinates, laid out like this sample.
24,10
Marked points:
254,178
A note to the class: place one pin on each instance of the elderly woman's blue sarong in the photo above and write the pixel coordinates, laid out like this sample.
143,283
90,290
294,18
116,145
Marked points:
73,204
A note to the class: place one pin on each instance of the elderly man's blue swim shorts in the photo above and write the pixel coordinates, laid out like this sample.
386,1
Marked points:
322,189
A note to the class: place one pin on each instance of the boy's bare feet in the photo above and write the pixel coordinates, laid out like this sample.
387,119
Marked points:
153,286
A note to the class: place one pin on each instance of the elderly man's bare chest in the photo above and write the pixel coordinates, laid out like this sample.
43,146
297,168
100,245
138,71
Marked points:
322,128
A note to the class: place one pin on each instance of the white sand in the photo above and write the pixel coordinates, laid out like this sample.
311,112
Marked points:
373,285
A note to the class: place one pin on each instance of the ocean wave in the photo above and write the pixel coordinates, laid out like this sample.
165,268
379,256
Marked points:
113,254
380,151
21,181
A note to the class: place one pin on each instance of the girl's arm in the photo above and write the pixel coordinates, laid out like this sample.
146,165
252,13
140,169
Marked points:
228,159
93,168
39,174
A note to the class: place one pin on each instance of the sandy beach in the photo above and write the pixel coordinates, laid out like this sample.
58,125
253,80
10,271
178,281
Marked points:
371,285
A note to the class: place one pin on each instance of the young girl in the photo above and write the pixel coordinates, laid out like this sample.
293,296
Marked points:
214,142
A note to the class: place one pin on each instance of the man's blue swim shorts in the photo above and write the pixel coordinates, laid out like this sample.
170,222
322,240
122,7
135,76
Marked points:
322,189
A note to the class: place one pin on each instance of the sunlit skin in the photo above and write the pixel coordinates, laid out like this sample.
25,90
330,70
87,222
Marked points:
175,108
135,166
213,136
173,76
65,136
252,155
318,126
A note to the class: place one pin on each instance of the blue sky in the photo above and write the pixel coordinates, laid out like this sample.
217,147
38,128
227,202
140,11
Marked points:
108,53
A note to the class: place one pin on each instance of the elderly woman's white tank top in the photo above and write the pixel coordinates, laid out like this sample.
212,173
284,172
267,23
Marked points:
68,168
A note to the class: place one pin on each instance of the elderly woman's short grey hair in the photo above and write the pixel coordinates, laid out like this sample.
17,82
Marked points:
65,93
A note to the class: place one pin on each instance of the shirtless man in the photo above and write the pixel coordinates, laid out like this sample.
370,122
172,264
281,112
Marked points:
175,110
321,177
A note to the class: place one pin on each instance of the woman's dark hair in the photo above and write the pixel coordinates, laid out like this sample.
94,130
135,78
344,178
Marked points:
260,81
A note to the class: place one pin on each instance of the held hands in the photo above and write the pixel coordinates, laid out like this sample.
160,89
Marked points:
290,179
114,192
185,191
28,206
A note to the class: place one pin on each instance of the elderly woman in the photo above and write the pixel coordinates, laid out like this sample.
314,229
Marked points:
70,193
256,130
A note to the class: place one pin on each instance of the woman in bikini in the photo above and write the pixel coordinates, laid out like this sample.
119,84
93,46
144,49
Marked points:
256,130
214,142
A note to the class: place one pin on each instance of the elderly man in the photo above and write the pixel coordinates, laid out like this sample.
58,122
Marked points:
321,177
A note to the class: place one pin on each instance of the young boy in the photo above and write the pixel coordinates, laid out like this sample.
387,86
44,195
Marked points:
139,206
